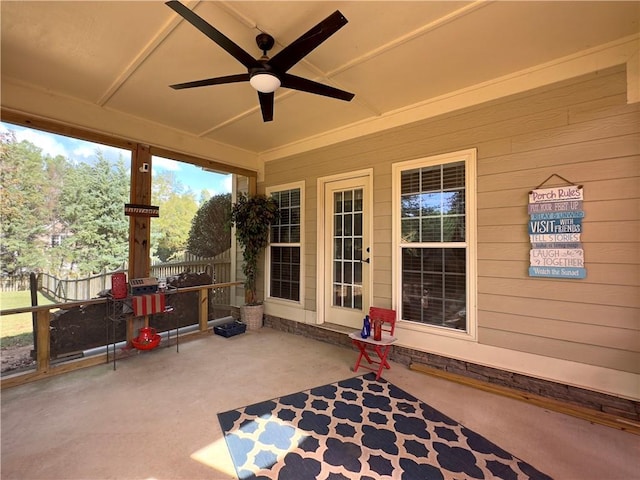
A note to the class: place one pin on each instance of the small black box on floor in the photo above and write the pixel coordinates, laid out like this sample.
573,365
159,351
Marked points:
230,329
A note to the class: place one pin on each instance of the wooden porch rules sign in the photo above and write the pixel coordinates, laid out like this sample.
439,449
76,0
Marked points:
555,228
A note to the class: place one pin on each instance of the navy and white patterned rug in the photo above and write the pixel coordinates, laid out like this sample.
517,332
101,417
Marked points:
362,429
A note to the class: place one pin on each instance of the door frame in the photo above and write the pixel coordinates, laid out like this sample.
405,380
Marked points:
321,274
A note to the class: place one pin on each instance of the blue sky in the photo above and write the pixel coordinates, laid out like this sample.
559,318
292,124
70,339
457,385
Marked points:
192,177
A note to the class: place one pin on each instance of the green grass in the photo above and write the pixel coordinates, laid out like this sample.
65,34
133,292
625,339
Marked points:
17,330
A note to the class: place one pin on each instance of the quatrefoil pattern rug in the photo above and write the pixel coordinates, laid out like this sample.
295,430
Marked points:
362,429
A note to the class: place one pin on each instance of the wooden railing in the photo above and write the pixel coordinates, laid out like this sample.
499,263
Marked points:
65,290
43,339
72,290
219,267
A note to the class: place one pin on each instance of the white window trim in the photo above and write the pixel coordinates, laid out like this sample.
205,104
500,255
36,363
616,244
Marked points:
470,158
267,264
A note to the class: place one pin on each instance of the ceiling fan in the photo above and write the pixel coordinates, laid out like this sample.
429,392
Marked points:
266,74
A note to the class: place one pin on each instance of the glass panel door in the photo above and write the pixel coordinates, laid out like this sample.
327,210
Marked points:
347,251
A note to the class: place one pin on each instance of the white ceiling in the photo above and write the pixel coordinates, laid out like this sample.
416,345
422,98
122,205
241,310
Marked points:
121,57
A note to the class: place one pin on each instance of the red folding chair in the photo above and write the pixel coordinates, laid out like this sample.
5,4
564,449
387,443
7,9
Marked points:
375,352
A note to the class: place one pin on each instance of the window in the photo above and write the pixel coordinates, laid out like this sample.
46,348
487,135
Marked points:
285,246
56,240
434,232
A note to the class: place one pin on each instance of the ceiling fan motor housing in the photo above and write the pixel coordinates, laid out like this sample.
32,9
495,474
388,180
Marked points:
265,42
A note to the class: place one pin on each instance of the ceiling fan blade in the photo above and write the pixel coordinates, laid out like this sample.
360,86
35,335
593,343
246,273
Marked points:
238,53
266,105
296,51
242,77
306,85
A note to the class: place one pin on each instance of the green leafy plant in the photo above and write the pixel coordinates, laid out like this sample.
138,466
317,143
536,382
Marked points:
253,216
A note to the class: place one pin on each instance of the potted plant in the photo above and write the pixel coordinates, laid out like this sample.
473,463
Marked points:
252,216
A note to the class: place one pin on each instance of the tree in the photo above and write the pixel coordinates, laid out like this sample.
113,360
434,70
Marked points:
173,224
91,204
55,171
169,232
22,204
210,232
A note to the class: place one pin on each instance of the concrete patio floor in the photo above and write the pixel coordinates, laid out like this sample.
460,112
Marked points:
155,416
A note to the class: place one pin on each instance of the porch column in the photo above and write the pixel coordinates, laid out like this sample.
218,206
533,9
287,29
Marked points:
139,226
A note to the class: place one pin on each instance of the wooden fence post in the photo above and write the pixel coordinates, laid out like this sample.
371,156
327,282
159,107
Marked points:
43,346
203,309
33,286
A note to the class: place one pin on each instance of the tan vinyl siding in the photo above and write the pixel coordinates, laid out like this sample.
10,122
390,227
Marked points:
588,353
594,321
581,129
616,317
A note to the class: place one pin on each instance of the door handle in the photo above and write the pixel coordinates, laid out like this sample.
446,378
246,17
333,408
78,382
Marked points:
365,261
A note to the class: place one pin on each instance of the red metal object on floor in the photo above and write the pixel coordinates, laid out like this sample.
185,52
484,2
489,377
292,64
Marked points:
147,339
375,351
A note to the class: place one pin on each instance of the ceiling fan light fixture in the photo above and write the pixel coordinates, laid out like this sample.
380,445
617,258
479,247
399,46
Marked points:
265,82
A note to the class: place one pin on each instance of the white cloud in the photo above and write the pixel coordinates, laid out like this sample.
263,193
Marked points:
222,184
47,142
166,164
84,151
